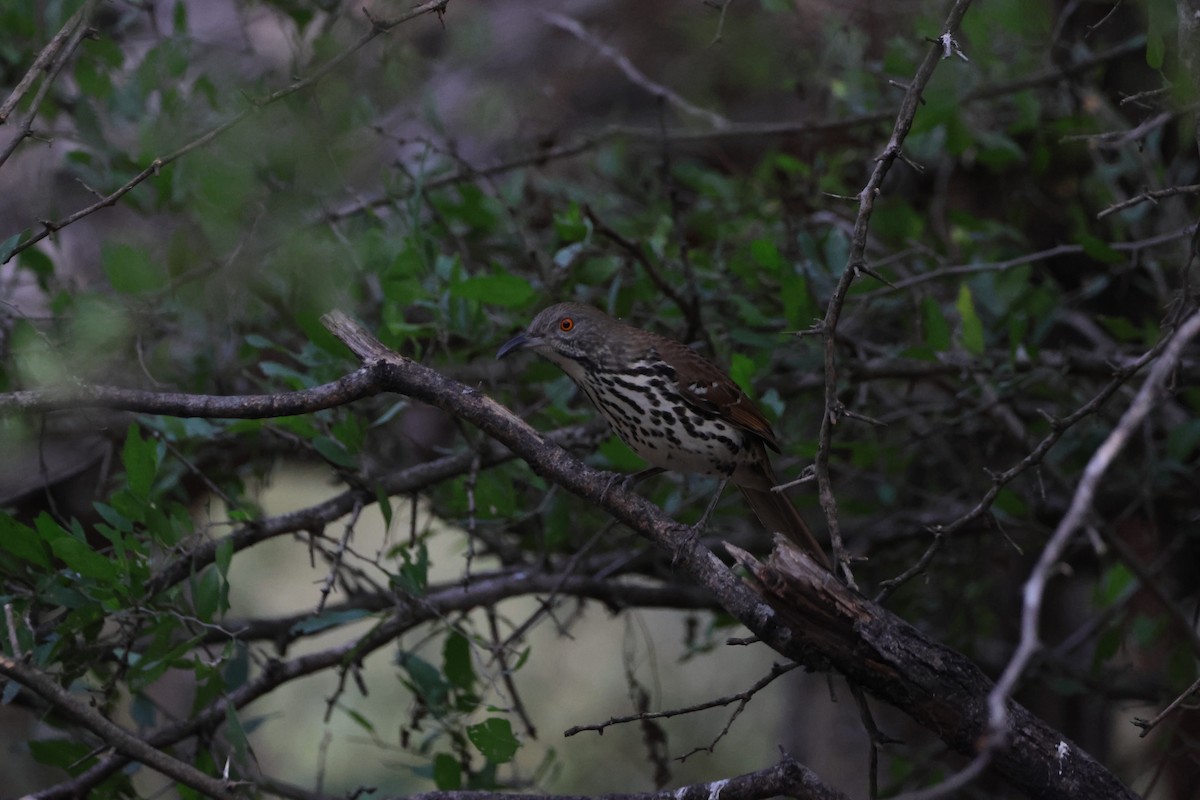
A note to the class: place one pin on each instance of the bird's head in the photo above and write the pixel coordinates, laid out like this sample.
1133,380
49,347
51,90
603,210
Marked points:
571,335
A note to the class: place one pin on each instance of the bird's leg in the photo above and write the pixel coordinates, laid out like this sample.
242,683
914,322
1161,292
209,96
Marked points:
629,481
712,504
641,475
697,529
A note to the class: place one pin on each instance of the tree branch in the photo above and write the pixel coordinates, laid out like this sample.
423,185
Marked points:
938,687
819,623
122,741
823,625
355,386
788,778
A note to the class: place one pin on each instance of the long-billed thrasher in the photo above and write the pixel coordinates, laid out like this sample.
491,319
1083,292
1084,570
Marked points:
673,407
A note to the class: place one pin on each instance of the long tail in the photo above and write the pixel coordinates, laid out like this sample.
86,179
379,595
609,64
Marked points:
778,515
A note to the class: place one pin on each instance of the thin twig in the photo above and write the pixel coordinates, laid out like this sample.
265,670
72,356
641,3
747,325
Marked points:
855,259
1149,725
741,698
46,57
631,72
1081,503
1058,429
1149,195
78,26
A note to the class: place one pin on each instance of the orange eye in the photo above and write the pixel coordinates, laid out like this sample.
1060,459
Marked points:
566,324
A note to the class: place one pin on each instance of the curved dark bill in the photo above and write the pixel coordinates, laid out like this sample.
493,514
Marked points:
515,343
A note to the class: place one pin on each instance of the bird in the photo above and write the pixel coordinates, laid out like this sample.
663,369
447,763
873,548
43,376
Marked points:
674,408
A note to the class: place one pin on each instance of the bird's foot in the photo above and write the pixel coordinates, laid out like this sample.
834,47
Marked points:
626,483
694,531
690,538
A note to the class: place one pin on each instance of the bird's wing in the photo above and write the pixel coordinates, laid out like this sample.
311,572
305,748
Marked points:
704,385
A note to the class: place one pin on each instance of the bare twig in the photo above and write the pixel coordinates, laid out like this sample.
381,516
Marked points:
632,73
1149,725
1150,195
717,35
1149,394
855,260
335,562
46,57
1113,140
1133,247
1058,429
741,698
76,29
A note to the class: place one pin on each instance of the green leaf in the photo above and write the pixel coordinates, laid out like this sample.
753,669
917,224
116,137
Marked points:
414,572
128,509
49,529
327,619
1145,631
447,773
236,668
1012,503
235,734
1159,14
742,369
1120,327
503,289
619,455
113,517
767,255
74,757
937,329
495,496
972,327
997,150
335,452
456,661
1099,249
206,594
23,542
1156,47
39,264
144,712
360,719
92,81
1113,583
140,457
8,245
797,306
385,506
130,270
494,738
426,681
224,557
1182,440
571,225
80,557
